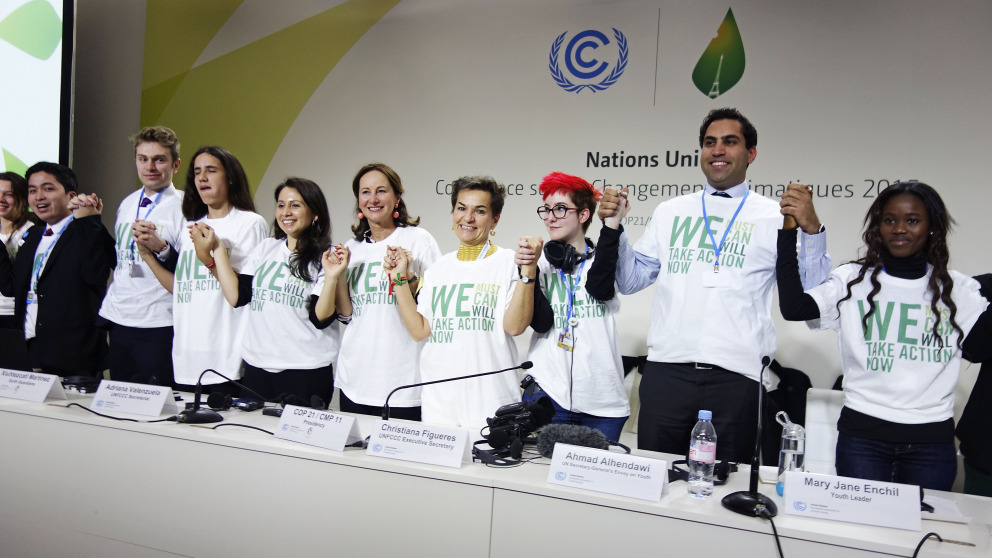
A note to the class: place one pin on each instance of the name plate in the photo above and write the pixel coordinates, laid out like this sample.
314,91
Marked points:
30,386
610,472
138,399
885,504
419,442
315,427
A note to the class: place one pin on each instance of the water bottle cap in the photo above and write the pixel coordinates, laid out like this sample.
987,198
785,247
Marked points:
705,415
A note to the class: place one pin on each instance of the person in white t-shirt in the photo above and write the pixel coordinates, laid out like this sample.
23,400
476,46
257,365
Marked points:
137,310
15,220
365,374
902,319
575,347
470,305
208,331
289,281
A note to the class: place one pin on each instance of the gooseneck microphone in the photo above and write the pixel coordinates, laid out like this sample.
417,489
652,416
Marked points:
522,366
203,415
750,502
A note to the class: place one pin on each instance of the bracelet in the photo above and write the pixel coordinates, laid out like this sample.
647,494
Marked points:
399,281
211,264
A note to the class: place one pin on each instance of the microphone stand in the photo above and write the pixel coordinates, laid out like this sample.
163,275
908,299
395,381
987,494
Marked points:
385,408
750,502
204,415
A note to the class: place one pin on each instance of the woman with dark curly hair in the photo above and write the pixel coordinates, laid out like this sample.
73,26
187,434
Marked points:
15,220
902,320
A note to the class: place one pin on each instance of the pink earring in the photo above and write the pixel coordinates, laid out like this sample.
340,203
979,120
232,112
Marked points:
396,214
361,215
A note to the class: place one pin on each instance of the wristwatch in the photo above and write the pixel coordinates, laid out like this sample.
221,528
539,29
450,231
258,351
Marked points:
527,280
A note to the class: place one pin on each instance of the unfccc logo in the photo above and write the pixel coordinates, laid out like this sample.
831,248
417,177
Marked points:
582,63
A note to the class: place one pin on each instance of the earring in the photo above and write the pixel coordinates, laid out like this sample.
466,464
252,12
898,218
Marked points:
396,214
361,215
492,232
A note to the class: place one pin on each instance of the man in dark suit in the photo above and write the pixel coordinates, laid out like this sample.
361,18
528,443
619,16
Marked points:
60,275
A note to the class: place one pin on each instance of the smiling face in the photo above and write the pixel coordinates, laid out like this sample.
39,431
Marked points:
376,199
725,158
567,229
905,225
211,181
8,205
292,213
473,217
155,165
48,198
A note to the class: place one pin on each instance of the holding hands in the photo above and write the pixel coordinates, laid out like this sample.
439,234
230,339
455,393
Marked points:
335,260
527,254
146,234
397,261
85,205
797,206
205,242
613,207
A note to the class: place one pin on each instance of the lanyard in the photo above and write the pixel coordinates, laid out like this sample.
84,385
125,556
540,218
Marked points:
484,252
574,288
137,214
36,273
706,221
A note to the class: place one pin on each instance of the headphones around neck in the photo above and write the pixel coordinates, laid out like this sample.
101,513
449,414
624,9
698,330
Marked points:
564,256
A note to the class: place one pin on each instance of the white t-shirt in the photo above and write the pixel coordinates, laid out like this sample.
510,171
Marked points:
208,331
465,302
897,371
590,378
366,373
12,242
729,324
280,335
136,298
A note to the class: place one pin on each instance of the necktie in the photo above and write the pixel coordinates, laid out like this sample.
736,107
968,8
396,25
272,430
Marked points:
49,232
721,194
145,201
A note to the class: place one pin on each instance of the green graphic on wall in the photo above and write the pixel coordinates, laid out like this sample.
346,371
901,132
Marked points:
722,63
12,163
34,28
244,100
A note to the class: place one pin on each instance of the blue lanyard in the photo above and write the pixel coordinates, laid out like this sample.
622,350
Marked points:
137,214
36,273
574,288
706,221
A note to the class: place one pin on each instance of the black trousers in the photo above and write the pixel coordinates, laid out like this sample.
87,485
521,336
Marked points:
296,386
141,354
672,396
405,413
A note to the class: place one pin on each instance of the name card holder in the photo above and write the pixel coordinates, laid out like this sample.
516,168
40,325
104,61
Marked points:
419,442
30,386
610,472
885,504
136,399
316,427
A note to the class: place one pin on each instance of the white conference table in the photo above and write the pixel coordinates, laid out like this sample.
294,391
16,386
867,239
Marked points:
75,484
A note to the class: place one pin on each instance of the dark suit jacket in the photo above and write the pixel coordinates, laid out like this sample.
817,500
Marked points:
70,290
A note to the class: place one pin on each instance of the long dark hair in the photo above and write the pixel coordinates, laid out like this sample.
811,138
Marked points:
404,219
317,238
238,192
19,187
940,221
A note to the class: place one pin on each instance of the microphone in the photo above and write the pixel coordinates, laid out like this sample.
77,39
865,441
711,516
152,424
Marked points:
522,366
203,415
571,434
750,502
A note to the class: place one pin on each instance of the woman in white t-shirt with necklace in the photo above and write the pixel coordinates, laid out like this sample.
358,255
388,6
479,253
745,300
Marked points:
15,220
366,374
288,284
470,305
208,332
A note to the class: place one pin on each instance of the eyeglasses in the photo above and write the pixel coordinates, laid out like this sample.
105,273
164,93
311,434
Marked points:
559,211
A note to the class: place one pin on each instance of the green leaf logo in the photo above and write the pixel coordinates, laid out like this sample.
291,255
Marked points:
34,28
12,163
722,63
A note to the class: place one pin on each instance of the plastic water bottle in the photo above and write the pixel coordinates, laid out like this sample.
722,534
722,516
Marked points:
792,455
702,456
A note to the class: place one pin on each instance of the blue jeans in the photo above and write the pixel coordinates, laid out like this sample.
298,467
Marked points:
931,466
611,427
